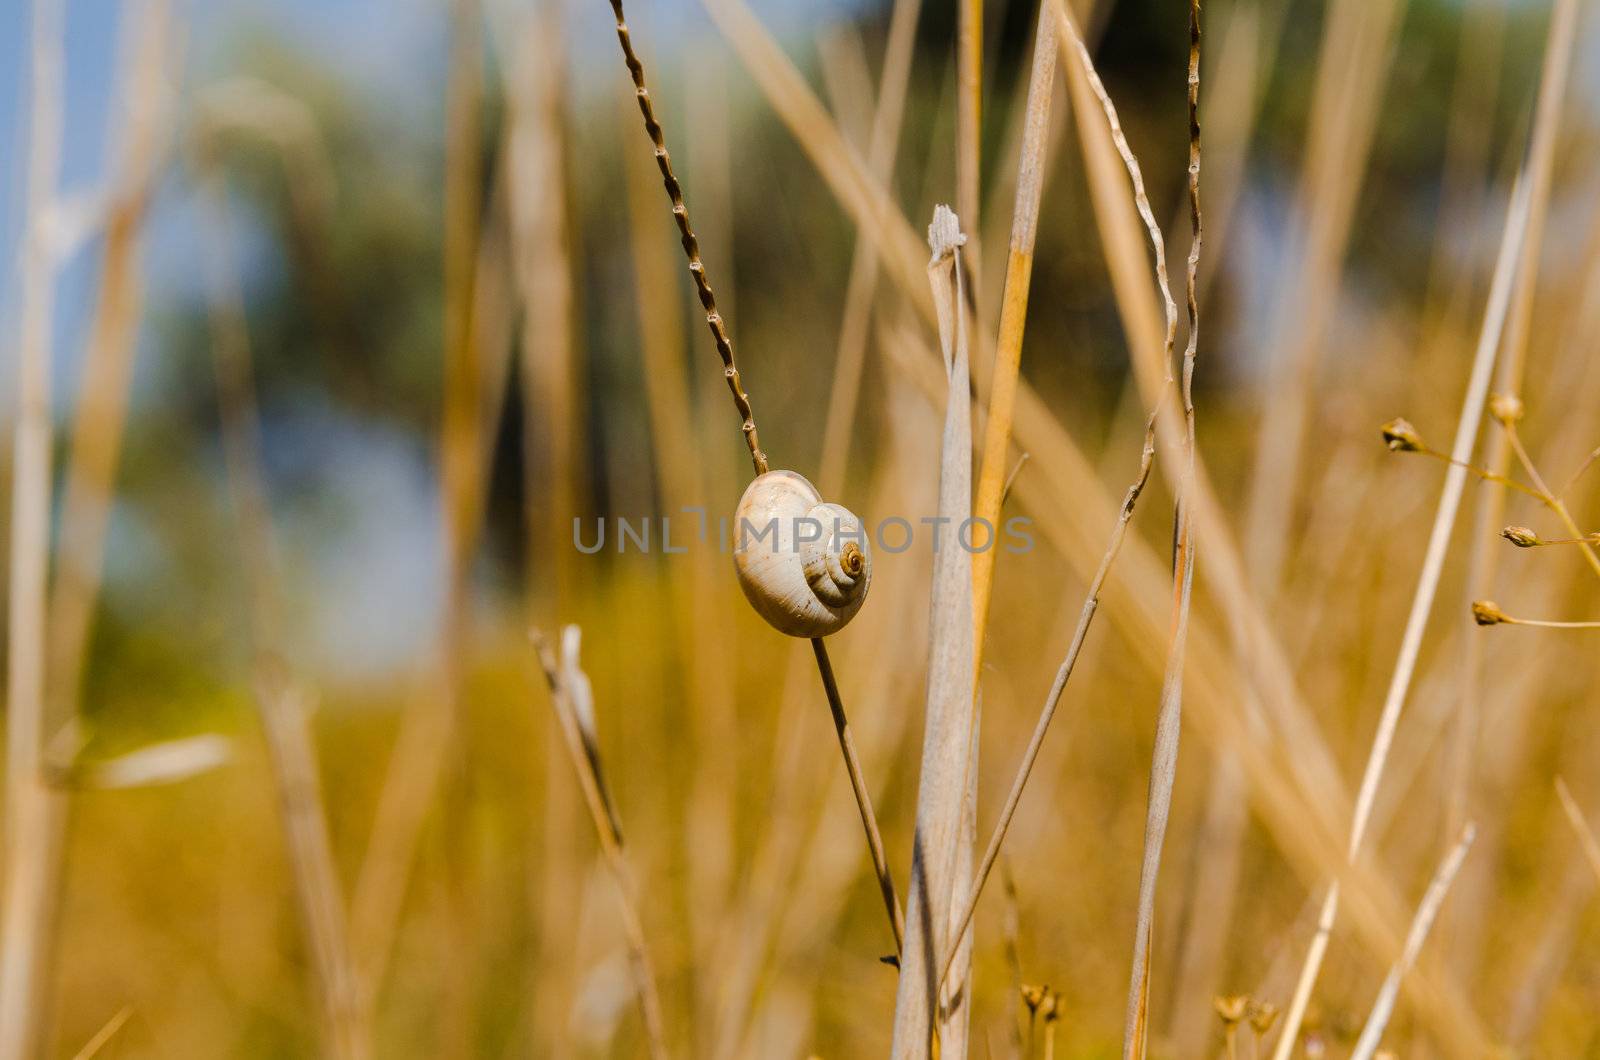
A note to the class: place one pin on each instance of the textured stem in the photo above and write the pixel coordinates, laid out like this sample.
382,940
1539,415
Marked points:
691,246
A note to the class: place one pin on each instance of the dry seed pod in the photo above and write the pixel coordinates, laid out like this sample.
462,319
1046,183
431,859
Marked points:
804,565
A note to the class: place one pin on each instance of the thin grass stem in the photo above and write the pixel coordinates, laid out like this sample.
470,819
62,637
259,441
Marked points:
758,458
567,681
1472,407
1427,911
858,785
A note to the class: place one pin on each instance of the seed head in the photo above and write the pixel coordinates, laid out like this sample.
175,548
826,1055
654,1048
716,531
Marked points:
1033,997
1050,1008
1520,536
1401,437
1488,613
1507,408
1231,1008
1263,1014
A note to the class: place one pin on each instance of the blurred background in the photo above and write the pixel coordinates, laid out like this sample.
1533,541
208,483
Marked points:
347,310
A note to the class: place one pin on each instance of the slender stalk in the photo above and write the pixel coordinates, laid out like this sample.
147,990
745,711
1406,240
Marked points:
1551,500
1013,310
1487,614
1164,764
1383,1007
1580,826
691,247
1030,755
568,681
1572,479
758,459
969,125
858,785
1422,601
33,812
1497,478
104,1035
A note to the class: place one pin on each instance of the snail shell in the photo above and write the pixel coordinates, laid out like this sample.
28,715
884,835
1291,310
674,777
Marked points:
804,565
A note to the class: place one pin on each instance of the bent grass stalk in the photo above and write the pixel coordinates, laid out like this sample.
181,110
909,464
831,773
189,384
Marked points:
758,459
569,691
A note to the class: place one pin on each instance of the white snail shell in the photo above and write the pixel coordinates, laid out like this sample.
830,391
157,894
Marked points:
804,565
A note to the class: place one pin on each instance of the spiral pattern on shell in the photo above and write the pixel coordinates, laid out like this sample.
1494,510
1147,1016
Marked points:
804,564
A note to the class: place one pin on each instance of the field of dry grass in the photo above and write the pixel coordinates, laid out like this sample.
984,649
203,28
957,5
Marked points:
1266,728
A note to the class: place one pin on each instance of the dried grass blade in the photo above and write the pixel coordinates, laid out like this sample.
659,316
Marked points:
1432,899
568,694
1013,307
1169,721
948,725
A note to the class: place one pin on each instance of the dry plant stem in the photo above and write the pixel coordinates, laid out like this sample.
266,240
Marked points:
603,815
1544,623
858,785
38,813
1572,479
1013,309
1580,827
1072,40
1553,502
1499,479
1383,1007
1164,763
104,1035
33,811
758,458
1030,756
321,897
948,722
101,411
1422,601
969,124
691,247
